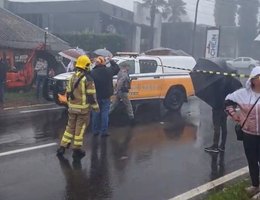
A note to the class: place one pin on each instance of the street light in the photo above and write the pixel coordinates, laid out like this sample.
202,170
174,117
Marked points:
194,29
45,37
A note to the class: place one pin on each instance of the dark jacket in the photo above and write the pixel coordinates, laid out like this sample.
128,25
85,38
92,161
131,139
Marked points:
226,86
103,78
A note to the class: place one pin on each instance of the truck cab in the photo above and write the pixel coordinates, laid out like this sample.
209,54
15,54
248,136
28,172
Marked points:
160,78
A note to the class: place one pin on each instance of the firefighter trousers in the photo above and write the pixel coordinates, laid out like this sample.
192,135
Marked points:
75,130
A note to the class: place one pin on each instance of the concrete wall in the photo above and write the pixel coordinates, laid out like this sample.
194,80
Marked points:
61,17
178,36
91,16
142,19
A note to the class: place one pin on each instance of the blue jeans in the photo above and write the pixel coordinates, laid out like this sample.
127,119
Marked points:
100,120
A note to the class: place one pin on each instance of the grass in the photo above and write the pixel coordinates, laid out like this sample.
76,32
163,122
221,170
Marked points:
21,98
233,192
17,95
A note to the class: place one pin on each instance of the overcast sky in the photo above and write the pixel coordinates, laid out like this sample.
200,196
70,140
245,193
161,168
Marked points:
205,15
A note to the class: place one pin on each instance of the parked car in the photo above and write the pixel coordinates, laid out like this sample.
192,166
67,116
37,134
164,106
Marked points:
243,62
151,80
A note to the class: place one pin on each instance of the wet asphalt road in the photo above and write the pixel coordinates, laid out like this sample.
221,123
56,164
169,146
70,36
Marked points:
158,158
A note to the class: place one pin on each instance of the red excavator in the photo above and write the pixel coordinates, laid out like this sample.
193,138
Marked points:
21,64
20,67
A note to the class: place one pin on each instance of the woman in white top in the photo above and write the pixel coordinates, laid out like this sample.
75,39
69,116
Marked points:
238,105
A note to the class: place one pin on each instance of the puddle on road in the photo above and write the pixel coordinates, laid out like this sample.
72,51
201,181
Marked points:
9,138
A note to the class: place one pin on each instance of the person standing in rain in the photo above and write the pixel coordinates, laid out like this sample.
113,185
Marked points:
219,118
3,72
103,78
81,99
41,69
122,88
238,106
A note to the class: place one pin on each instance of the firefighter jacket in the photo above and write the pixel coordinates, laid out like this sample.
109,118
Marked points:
81,93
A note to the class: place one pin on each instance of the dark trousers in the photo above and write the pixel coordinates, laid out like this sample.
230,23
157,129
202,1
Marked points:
252,151
220,126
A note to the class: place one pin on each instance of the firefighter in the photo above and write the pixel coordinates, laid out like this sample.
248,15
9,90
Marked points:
81,95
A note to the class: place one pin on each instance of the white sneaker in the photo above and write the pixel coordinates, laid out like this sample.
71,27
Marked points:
251,190
256,197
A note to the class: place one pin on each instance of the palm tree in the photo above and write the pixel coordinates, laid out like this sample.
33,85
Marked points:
225,12
155,6
177,10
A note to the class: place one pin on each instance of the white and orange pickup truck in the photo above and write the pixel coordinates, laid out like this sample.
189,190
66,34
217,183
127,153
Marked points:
153,78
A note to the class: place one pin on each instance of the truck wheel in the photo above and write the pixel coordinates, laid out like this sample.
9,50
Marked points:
174,99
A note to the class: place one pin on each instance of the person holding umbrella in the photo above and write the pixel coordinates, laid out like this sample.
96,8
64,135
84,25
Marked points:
219,118
103,78
243,107
212,88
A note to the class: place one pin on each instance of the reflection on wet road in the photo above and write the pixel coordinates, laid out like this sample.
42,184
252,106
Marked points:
26,129
158,158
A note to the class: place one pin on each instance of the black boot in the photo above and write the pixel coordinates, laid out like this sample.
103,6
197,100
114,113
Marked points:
78,154
60,151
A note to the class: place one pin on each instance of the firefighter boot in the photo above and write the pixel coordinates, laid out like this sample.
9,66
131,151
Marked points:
78,154
60,151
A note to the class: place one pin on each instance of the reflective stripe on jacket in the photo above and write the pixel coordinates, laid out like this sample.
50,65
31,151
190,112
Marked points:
85,87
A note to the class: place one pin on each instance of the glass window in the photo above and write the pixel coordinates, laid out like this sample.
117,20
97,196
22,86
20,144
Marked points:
148,66
247,59
238,60
131,65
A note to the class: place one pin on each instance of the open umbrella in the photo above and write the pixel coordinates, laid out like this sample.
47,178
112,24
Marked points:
72,54
213,88
103,52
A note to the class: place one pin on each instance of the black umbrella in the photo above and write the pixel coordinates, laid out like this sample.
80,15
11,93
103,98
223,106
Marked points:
213,88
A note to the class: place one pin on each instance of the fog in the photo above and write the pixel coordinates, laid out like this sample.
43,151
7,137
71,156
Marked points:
205,15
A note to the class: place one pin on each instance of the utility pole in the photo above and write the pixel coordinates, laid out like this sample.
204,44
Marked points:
45,37
194,28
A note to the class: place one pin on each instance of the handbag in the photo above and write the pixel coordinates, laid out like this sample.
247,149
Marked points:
238,127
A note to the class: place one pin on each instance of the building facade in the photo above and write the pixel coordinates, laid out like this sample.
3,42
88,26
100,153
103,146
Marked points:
68,17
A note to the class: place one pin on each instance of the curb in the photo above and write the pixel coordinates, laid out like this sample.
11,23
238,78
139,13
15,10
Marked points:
30,106
200,191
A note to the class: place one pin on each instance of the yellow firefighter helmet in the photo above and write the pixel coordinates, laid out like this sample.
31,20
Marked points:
83,62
